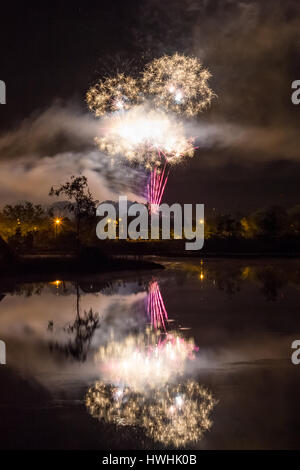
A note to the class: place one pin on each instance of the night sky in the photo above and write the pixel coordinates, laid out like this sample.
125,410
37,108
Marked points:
249,139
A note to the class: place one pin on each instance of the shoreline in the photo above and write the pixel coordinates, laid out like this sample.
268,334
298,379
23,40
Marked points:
69,267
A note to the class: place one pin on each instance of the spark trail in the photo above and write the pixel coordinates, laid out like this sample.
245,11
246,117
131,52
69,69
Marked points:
156,310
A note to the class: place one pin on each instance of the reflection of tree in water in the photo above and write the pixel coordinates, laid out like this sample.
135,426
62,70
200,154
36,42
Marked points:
56,287
37,288
82,330
227,280
230,278
131,286
28,290
273,280
94,287
229,284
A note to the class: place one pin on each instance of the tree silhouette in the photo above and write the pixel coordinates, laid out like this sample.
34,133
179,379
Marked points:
81,202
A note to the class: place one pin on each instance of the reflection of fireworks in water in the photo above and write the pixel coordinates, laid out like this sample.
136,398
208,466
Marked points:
145,360
174,415
178,83
113,94
114,404
156,310
179,414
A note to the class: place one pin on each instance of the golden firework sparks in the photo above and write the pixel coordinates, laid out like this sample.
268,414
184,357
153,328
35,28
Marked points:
179,414
174,415
150,134
114,404
113,94
178,83
146,136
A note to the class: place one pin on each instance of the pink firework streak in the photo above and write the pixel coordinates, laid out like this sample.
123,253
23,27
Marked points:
158,180
156,310
157,184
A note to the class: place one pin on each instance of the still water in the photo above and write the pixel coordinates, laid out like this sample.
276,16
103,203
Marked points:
194,356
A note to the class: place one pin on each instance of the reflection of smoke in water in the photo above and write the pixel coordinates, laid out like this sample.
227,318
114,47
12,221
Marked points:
146,360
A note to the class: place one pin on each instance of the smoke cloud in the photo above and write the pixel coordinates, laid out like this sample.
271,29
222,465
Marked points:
49,147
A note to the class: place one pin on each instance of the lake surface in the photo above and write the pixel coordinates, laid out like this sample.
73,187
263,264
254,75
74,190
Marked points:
120,361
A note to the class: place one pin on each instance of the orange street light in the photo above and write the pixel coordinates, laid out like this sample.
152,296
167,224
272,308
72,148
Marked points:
57,223
56,283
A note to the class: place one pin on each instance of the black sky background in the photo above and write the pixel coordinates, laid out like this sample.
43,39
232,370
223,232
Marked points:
52,50
55,50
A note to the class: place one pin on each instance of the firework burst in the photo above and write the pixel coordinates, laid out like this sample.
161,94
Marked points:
113,94
178,83
145,136
149,135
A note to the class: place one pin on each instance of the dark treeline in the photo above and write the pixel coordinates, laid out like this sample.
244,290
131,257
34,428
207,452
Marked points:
270,222
64,226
